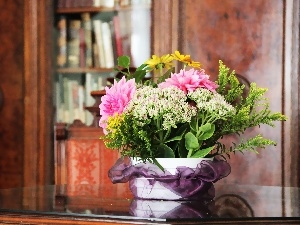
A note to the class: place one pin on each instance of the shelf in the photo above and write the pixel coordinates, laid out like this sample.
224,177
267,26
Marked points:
84,70
84,9
93,9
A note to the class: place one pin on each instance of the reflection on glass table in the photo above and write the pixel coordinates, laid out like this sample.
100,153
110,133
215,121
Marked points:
115,201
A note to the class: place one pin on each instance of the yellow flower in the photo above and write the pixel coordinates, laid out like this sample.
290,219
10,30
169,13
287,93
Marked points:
160,62
194,64
186,59
113,123
182,58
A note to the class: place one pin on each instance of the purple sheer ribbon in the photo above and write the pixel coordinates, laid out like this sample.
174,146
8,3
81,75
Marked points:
184,209
187,183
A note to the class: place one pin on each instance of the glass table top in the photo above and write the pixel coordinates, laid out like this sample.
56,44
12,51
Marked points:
115,201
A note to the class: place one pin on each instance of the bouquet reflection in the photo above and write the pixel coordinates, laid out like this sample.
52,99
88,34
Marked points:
172,209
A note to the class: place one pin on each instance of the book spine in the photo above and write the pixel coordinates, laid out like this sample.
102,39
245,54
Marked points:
99,41
96,3
59,99
73,43
96,59
107,45
125,31
61,3
87,26
74,106
89,100
66,114
81,102
124,3
108,3
82,48
70,104
117,35
62,42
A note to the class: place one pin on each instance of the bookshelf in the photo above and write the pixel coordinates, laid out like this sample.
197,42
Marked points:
90,35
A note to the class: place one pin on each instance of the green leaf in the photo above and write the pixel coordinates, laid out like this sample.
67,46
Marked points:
206,127
202,152
142,67
191,142
182,129
194,124
166,151
177,138
157,163
124,61
179,134
182,151
208,133
139,75
165,76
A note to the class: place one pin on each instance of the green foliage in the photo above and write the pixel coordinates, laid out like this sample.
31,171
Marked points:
201,137
250,112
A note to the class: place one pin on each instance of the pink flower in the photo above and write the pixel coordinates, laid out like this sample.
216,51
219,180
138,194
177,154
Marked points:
116,99
189,81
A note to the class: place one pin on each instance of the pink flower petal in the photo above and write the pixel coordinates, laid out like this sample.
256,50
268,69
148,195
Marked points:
189,80
116,99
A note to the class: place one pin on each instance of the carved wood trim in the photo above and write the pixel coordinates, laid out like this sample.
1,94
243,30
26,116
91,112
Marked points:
60,164
291,93
31,95
38,139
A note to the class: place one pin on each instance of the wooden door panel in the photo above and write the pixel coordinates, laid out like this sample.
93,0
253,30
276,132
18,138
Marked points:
248,37
259,40
11,83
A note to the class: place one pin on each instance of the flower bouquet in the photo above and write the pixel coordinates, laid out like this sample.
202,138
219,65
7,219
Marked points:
179,115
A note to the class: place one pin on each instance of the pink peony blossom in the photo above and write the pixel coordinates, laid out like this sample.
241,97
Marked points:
189,81
116,99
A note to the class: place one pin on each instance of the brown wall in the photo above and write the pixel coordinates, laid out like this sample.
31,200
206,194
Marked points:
259,40
12,85
248,37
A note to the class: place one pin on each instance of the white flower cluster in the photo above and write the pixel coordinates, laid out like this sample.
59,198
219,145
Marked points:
166,107
210,103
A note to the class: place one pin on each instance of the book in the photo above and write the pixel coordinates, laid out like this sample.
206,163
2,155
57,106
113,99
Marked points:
89,100
117,36
99,42
107,45
70,3
73,43
73,105
96,59
77,101
73,98
61,3
108,3
82,48
96,3
66,115
59,99
125,31
124,3
62,42
87,27
81,103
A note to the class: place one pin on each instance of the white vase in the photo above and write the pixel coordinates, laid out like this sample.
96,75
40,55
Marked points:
145,190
